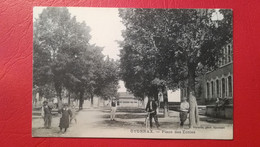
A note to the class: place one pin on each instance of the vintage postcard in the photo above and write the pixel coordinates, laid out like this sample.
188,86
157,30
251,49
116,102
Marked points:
132,73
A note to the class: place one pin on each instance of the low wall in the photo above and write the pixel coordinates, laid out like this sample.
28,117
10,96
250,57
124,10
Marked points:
226,112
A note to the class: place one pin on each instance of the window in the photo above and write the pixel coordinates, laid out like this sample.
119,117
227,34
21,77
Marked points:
229,53
230,87
223,87
218,90
212,89
231,48
208,90
224,56
221,59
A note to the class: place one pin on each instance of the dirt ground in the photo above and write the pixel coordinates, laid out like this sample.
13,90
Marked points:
95,122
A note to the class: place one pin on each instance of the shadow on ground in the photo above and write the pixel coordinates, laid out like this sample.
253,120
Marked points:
216,120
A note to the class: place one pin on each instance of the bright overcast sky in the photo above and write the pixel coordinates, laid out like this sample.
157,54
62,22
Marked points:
105,25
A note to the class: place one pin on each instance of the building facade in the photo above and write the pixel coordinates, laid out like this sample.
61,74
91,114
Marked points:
218,83
126,99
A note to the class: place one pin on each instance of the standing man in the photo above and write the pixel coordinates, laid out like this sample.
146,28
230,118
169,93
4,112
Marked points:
151,108
46,114
184,109
113,108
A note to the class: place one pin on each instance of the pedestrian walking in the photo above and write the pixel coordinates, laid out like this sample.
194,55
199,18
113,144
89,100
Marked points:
73,112
151,108
46,114
184,109
65,117
113,105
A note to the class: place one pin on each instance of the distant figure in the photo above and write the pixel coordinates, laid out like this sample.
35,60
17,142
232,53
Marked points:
184,109
65,117
151,108
46,114
160,99
113,108
74,103
221,103
217,107
73,111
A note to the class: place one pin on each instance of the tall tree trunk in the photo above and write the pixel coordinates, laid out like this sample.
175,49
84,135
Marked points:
81,100
104,102
58,89
59,100
99,99
92,99
194,115
165,101
69,98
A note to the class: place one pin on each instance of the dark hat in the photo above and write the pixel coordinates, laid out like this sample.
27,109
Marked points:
45,102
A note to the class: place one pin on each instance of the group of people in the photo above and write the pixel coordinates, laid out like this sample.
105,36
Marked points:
152,106
68,114
152,110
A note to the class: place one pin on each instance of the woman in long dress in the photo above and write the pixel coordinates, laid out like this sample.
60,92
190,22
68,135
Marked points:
65,117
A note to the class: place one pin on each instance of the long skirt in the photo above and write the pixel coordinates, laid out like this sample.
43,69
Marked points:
183,116
65,119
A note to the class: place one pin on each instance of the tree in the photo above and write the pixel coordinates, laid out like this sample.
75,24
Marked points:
197,44
64,58
107,79
143,69
176,45
63,41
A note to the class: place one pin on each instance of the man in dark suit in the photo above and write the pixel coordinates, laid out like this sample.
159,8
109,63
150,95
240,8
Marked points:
46,114
151,108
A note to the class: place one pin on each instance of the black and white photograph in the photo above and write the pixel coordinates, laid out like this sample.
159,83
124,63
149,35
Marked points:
132,73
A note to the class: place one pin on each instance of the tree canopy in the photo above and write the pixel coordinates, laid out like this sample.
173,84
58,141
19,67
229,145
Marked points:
170,47
64,58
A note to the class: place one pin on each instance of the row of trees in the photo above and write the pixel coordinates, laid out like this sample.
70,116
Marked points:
64,59
169,48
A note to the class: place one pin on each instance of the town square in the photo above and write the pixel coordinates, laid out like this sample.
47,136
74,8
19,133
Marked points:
132,73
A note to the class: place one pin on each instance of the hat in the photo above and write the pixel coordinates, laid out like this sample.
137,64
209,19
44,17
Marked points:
45,102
